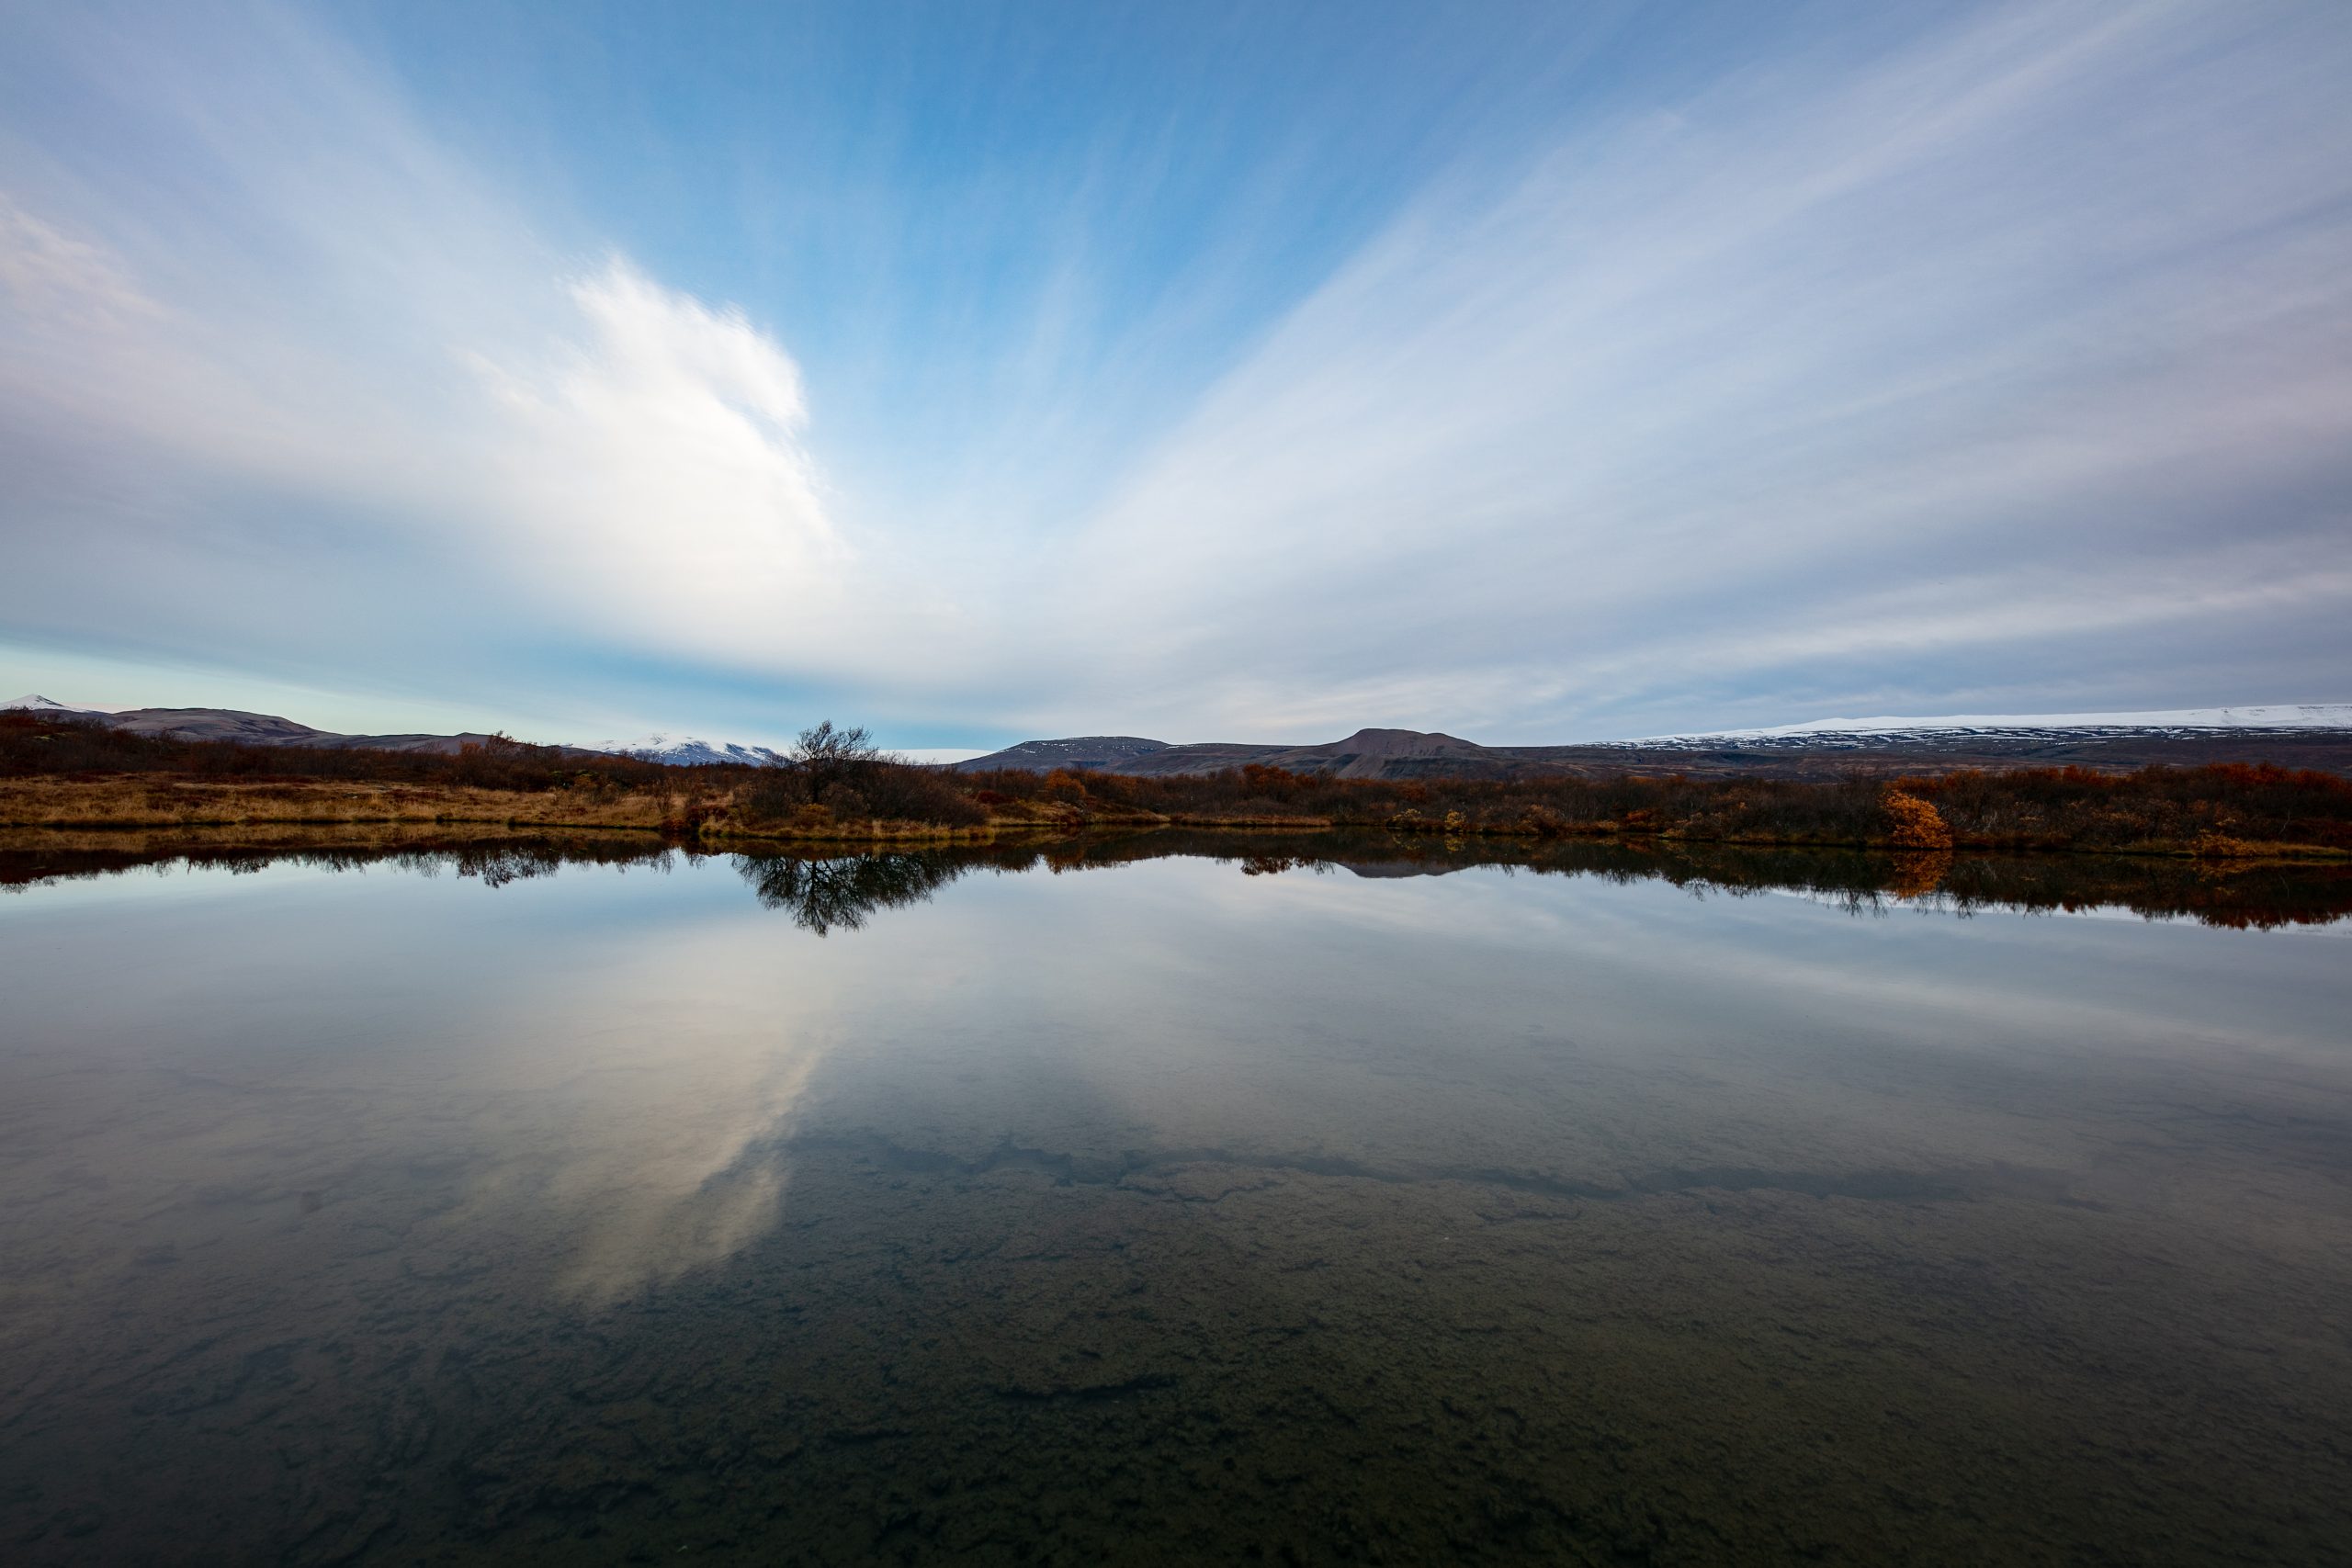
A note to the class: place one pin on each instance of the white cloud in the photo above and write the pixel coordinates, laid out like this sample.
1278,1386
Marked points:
654,472
50,277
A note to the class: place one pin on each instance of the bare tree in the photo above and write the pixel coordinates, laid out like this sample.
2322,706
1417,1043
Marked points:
828,754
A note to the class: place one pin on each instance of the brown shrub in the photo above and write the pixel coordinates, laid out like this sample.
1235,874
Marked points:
1912,823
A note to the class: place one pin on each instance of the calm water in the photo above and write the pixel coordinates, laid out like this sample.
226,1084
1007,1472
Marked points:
1190,1209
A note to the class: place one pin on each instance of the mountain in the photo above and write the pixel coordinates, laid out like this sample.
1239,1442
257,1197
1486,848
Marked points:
2062,727
687,751
33,702
2310,734
1366,755
271,730
216,724
254,728
1103,753
2307,736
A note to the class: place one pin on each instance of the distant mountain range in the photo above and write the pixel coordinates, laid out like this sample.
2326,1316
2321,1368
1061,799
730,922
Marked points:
2310,734
269,729
1101,753
246,728
35,703
2176,722
1366,755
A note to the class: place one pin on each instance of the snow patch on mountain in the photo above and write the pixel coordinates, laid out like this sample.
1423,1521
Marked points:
937,756
690,750
33,702
2169,721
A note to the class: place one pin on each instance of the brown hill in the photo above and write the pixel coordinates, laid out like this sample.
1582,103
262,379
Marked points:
269,729
1101,753
1389,754
1366,755
1412,754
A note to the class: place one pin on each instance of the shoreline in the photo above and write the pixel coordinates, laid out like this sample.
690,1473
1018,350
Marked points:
151,803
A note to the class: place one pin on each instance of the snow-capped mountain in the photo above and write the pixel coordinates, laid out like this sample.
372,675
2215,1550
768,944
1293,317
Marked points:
688,750
2170,722
33,702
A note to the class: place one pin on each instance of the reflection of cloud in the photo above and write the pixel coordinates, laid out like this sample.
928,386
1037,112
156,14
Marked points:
580,1105
648,1144
633,1178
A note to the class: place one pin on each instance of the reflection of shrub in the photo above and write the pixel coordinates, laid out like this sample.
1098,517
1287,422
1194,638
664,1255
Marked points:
1917,872
2220,846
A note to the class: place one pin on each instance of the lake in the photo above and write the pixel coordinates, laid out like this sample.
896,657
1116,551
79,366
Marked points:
1183,1200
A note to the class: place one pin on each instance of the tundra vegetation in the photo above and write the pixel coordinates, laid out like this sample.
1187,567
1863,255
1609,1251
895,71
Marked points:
837,786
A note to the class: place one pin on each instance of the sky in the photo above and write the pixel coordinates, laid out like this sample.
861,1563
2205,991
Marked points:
1537,373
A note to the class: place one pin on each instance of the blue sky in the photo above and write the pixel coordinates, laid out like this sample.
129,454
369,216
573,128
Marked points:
1536,373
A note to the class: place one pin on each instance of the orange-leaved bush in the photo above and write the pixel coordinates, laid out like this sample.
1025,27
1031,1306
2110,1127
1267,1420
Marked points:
1917,824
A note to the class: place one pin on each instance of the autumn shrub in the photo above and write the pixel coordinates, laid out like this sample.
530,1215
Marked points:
771,795
1542,822
899,792
1912,823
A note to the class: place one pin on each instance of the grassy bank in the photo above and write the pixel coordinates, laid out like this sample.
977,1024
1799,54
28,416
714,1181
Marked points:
60,774
2228,811
690,808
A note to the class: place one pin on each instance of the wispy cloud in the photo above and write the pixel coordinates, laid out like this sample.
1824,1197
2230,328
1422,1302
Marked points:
52,279
1998,358
361,422
2060,299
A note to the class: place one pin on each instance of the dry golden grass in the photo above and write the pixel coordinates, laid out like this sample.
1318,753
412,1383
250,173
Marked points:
153,801
150,800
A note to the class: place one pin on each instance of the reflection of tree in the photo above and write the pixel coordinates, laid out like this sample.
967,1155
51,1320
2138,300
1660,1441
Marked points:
1914,873
497,867
843,889
827,890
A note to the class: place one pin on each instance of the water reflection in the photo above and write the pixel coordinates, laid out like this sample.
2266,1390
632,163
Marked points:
838,892
505,1204
826,889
